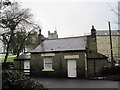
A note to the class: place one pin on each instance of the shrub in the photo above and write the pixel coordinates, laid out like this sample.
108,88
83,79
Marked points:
111,72
14,79
115,70
7,65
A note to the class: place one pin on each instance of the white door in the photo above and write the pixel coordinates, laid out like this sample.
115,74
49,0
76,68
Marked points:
71,64
27,67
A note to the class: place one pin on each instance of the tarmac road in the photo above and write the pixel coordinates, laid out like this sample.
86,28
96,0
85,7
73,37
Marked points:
77,83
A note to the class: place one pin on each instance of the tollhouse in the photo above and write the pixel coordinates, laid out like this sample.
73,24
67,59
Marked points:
68,57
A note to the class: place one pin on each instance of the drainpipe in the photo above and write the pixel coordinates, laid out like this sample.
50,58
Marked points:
86,66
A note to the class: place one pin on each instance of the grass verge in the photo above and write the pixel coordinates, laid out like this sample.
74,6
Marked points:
9,59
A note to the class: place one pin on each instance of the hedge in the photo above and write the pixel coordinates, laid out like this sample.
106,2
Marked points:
113,73
115,70
12,79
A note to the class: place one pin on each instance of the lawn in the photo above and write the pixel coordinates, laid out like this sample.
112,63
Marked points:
9,59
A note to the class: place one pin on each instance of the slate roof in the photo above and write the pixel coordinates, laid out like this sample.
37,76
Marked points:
25,56
94,55
62,44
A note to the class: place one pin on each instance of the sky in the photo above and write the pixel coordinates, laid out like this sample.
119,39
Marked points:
72,17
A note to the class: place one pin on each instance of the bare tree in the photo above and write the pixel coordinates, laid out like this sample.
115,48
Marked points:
4,4
11,20
21,38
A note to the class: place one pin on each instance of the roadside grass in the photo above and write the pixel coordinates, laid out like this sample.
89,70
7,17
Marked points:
9,59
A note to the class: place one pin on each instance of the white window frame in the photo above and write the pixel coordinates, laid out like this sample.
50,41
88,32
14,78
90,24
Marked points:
48,65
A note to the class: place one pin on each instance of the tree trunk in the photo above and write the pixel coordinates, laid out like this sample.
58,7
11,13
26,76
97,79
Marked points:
18,53
8,46
7,52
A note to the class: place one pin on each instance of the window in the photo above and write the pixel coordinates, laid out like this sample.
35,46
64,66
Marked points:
48,63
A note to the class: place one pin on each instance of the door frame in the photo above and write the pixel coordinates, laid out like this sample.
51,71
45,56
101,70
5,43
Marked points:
27,71
73,68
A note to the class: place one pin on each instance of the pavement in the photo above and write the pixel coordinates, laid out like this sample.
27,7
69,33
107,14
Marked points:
77,83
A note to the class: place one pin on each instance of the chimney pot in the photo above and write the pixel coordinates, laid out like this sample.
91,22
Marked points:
40,31
92,26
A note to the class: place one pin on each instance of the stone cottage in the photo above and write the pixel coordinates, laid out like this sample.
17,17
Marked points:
68,57
22,63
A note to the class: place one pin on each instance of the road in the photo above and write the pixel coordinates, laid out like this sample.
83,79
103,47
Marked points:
77,83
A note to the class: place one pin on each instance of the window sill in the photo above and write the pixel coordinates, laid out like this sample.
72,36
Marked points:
47,69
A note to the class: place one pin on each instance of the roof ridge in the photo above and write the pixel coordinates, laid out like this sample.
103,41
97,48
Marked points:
67,37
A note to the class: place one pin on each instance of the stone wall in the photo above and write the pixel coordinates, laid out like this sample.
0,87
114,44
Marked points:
119,45
103,45
18,65
95,66
59,65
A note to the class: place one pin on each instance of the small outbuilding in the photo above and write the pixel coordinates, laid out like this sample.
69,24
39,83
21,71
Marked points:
22,63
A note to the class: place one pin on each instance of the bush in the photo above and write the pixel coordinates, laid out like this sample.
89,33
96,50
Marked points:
14,79
111,72
115,70
7,65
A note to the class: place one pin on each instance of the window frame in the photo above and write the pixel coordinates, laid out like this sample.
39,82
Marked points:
45,62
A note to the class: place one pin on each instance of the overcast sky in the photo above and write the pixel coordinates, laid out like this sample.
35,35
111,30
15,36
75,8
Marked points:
72,17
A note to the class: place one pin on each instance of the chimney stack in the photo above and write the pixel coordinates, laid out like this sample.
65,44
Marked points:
39,32
92,44
93,31
40,37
